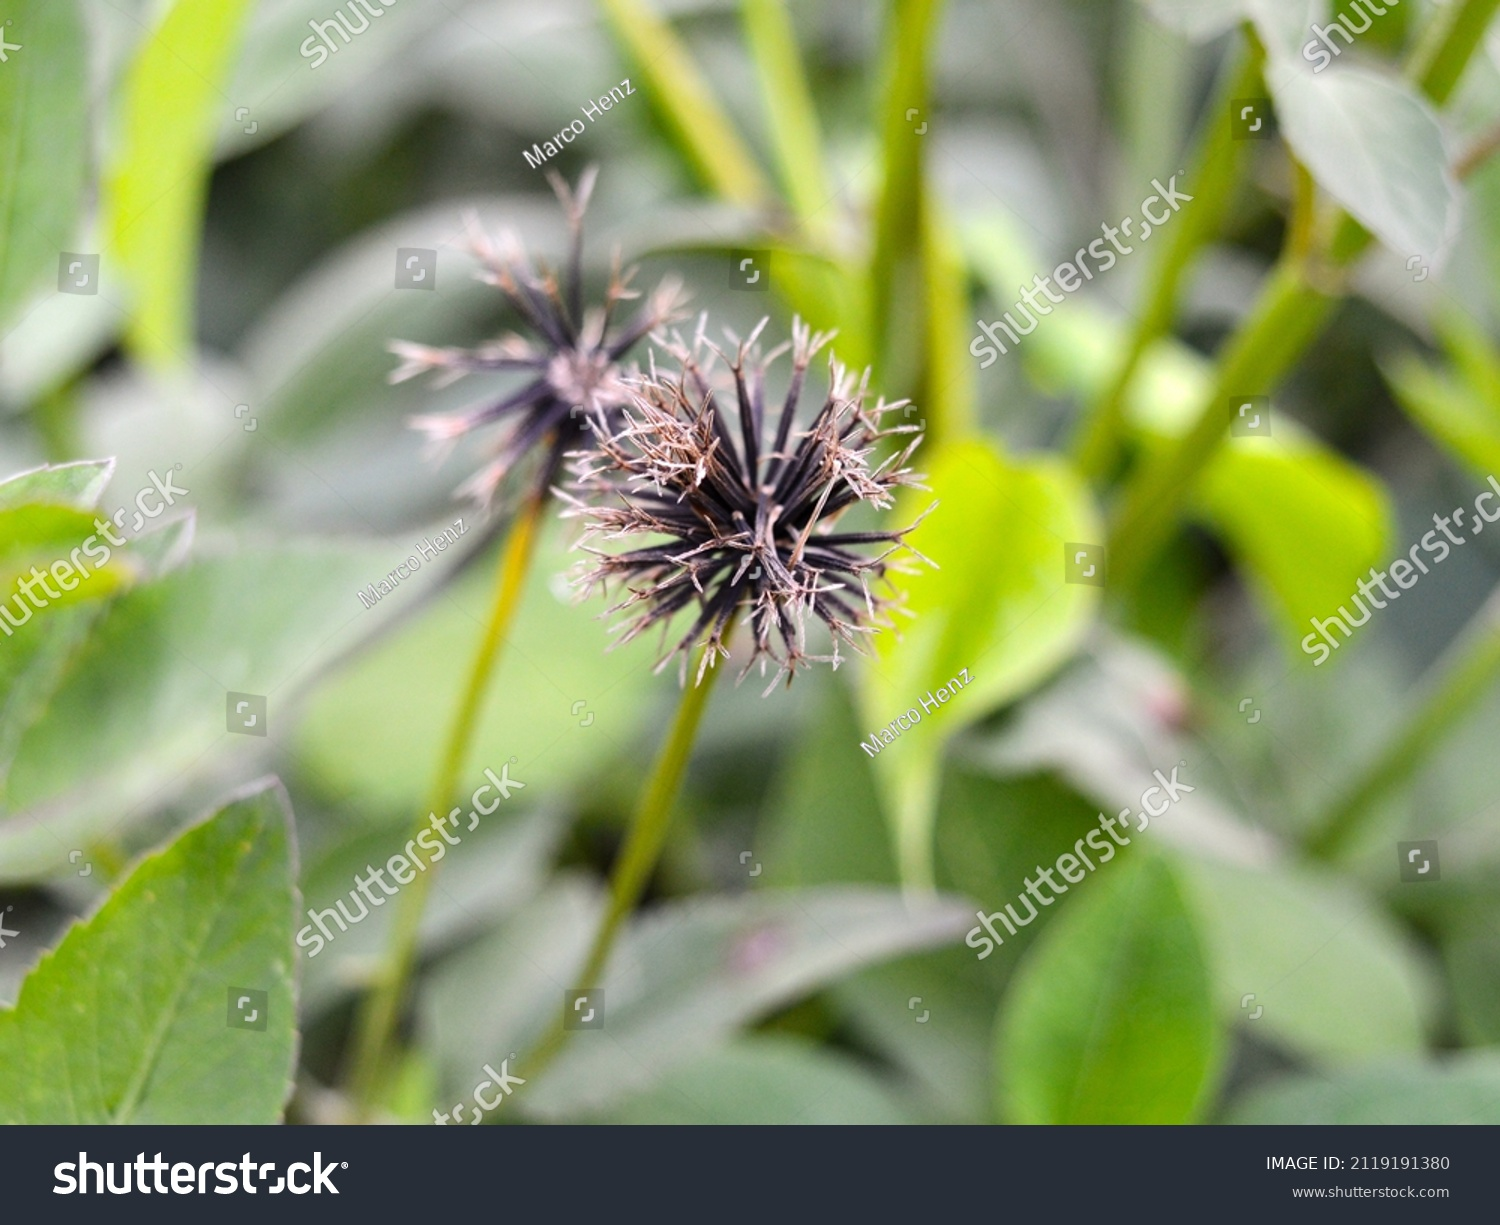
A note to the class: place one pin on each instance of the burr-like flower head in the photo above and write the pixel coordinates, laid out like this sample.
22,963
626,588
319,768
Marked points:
740,523
572,355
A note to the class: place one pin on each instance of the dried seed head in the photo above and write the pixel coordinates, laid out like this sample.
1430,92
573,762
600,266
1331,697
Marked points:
573,354
741,524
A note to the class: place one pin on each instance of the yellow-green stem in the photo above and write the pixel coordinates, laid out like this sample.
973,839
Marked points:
382,1008
643,845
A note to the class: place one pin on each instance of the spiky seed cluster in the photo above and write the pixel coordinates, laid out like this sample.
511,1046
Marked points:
573,356
742,524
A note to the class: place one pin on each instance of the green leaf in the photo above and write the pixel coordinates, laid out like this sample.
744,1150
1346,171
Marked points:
689,974
766,1080
139,707
173,105
1003,616
44,97
1111,1019
1458,408
128,1019
79,485
1275,515
1331,976
1464,1089
1374,145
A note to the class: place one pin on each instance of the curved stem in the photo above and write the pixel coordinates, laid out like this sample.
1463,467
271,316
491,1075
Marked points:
1213,170
377,1021
1455,683
643,845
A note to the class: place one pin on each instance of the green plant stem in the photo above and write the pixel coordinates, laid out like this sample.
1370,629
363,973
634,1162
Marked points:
698,125
1437,71
643,846
1288,315
1283,320
1212,172
898,281
377,1023
1448,692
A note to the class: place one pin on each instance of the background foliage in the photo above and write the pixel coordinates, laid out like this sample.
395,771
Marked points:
900,169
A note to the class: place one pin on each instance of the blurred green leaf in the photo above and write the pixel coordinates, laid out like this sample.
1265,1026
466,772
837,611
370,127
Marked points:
1200,19
1002,616
131,1018
766,1080
1334,977
690,973
1268,505
1458,407
79,485
140,706
1111,1018
1462,1089
44,97
824,821
497,869
373,730
172,109
1376,146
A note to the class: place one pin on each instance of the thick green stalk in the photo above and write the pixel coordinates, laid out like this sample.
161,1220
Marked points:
1212,171
1438,70
1285,318
1449,691
697,123
791,118
643,846
897,275
377,1023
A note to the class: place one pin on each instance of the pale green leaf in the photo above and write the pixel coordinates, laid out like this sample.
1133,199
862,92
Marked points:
1463,1089
1374,145
1332,978
765,1080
